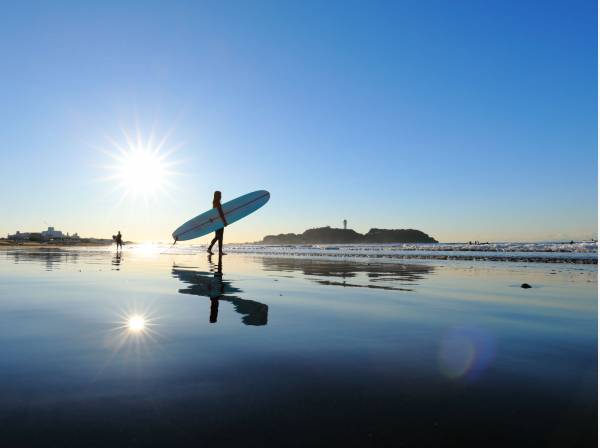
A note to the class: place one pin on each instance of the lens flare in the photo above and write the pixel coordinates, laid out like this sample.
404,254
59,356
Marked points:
465,353
456,356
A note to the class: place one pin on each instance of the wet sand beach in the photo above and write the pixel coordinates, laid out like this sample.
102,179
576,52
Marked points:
155,348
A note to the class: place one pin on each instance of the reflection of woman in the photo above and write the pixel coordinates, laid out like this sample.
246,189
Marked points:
218,282
219,233
216,289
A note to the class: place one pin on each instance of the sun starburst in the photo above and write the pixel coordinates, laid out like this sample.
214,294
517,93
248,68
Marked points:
141,168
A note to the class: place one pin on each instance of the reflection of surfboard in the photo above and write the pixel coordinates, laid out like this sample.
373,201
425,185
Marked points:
210,221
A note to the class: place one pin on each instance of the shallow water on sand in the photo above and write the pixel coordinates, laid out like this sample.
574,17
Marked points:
144,348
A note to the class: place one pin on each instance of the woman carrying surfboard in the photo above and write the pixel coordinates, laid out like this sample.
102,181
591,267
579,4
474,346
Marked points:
220,215
219,232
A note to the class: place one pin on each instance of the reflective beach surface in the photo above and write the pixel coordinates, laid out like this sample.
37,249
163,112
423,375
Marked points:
146,348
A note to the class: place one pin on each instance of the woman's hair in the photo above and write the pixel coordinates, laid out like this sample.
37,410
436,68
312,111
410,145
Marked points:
217,195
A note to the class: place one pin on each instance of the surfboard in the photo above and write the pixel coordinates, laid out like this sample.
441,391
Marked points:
210,221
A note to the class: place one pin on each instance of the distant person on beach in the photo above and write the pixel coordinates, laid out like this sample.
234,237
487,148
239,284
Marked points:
119,240
219,233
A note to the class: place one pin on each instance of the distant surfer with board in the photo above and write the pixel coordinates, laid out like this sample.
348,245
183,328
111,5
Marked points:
219,232
119,240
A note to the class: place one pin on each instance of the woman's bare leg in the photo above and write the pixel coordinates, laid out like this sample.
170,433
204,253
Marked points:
212,243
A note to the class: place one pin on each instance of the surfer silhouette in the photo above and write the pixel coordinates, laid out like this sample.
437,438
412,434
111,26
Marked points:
119,240
219,233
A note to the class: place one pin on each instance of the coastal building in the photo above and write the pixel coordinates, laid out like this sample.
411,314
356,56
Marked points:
50,234
19,236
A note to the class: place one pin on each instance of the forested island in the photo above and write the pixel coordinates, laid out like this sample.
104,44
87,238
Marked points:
328,235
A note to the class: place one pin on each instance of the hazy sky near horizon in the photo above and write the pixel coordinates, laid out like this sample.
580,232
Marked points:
467,120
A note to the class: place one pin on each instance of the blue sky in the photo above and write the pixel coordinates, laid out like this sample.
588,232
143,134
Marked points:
467,120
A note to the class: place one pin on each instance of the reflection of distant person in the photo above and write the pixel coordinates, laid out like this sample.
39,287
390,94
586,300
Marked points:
219,233
117,261
119,240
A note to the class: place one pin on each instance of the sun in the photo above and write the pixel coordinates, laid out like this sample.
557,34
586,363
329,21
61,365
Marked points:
142,171
141,168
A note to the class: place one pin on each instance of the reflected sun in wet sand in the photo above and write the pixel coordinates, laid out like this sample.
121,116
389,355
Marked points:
136,324
133,333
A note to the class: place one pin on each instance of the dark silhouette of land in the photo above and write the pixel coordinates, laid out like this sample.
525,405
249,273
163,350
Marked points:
328,235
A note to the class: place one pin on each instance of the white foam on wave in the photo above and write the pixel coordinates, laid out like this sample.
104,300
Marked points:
548,252
579,252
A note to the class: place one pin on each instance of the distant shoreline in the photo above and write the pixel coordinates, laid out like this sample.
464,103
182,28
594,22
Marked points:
34,244
584,254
